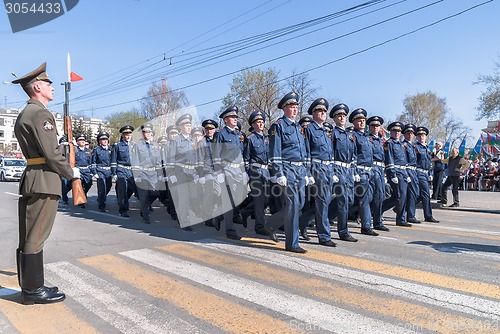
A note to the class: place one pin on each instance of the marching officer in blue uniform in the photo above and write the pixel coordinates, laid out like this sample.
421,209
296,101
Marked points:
411,169
364,175
377,182
344,155
146,166
121,169
83,160
287,160
395,167
320,147
256,156
101,169
230,168
423,167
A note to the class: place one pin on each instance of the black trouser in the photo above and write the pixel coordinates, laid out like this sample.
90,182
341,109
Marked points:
453,181
437,181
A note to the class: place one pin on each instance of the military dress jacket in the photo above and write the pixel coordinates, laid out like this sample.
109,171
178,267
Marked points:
36,133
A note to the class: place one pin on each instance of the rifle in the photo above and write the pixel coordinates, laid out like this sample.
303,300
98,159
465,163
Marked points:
79,196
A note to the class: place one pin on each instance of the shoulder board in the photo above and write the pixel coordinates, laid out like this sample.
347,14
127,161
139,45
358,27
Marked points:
250,135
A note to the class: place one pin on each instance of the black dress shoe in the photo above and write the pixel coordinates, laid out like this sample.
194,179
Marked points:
103,210
216,222
124,214
82,206
147,221
270,233
414,221
403,224
261,231
244,221
299,250
151,208
41,295
454,205
303,234
432,220
187,228
237,219
348,237
328,243
209,223
233,236
381,228
368,231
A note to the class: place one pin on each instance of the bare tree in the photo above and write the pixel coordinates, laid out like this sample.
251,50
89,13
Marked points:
489,101
161,100
255,90
301,84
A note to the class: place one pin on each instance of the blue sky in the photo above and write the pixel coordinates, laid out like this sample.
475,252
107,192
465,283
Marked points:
110,41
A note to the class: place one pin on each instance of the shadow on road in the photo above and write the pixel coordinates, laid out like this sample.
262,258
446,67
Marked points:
458,247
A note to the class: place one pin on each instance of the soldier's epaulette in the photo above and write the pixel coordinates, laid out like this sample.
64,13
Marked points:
115,144
250,135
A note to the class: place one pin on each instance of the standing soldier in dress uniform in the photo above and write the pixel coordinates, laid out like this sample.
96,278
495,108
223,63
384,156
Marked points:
438,171
423,168
344,154
83,160
411,169
320,147
287,158
101,169
256,156
146,166
364,174
395,167
39,186
378,180
230,168
183,161
121,169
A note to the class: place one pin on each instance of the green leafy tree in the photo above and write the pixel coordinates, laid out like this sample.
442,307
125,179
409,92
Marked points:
132,117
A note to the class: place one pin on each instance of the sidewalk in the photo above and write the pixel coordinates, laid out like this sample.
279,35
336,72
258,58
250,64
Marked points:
474,201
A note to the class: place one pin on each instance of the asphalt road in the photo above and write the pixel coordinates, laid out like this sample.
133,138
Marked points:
122,276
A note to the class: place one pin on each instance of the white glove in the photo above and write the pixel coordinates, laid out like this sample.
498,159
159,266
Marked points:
281,181
394,180
165,179
114,178
196,179
137,180
76,172
95,177
430,178
335,179
245,178
272,179
220,177
173,179
356,178
408,179
201,180
310,180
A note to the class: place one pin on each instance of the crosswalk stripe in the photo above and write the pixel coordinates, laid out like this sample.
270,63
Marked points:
16,313
490,235
305,310
124,311
455,301
221,312
334,291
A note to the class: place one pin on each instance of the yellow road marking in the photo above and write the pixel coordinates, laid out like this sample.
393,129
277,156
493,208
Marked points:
408,313
34,319
221,312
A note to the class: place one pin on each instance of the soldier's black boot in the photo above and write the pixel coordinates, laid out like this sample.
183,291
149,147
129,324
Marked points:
33,290
18,260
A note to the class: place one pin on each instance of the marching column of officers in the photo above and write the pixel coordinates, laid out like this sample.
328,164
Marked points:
305,172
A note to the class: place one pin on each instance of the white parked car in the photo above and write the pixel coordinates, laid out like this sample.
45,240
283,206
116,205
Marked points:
11,169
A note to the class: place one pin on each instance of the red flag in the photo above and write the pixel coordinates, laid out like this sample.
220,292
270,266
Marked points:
74,77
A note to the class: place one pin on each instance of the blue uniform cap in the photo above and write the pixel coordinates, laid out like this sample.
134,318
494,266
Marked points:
290,98
320,103
340,108
127,129
172,129
184,119
328,125
230,111
102,135
410,127
357,113
209,124
422,130
80,137
255,116
395,126
375,121
305,120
